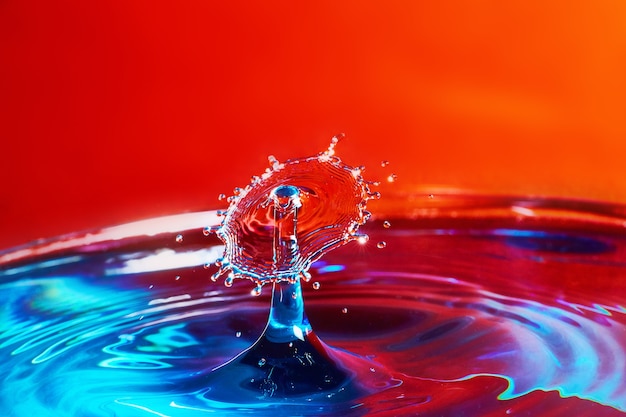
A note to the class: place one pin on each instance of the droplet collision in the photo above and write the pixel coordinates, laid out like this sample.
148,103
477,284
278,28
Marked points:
291,216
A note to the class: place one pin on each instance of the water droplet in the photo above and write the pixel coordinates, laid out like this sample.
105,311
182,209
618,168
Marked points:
362,239
207,231
384,163
221,197
372,370
316,285
386,224
237,191
262,362
179,238
151,286
431,196
177,277
256,291
375,195
392,178
294,295
238,334
344,310
229,281
381,245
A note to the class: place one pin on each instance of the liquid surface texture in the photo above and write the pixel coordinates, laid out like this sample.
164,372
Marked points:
476,306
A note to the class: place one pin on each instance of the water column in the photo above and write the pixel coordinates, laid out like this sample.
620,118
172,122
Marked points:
287,320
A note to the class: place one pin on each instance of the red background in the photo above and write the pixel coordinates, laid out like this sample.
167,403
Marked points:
120,110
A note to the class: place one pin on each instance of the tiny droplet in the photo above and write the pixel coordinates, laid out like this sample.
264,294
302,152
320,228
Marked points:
238,334
207,231
229,281
151,286
221,197
294,295
256,291
381,245
316,285
177,277
362,239
431,196
384,163
262,361
392,178
344,310
179,238
386,224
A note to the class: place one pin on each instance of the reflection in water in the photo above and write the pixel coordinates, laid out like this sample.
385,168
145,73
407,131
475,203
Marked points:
471,319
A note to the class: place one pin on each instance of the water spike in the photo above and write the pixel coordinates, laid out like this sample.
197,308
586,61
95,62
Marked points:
286,202
287,219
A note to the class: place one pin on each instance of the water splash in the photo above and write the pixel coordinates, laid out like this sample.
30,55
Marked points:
320,195
478,316
273,231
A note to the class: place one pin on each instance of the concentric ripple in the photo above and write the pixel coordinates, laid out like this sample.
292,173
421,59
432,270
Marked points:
473,320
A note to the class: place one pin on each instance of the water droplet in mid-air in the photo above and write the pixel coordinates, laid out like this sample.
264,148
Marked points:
392,178
381,245
344,310
386,224
179,238
384,163
316,285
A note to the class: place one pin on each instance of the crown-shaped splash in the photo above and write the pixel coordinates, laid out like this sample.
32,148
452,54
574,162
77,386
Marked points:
274,229
290,216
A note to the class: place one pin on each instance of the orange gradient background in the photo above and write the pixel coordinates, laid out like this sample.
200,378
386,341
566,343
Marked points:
120,110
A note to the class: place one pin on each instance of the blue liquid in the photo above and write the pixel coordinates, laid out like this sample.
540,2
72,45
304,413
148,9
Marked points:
469,315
